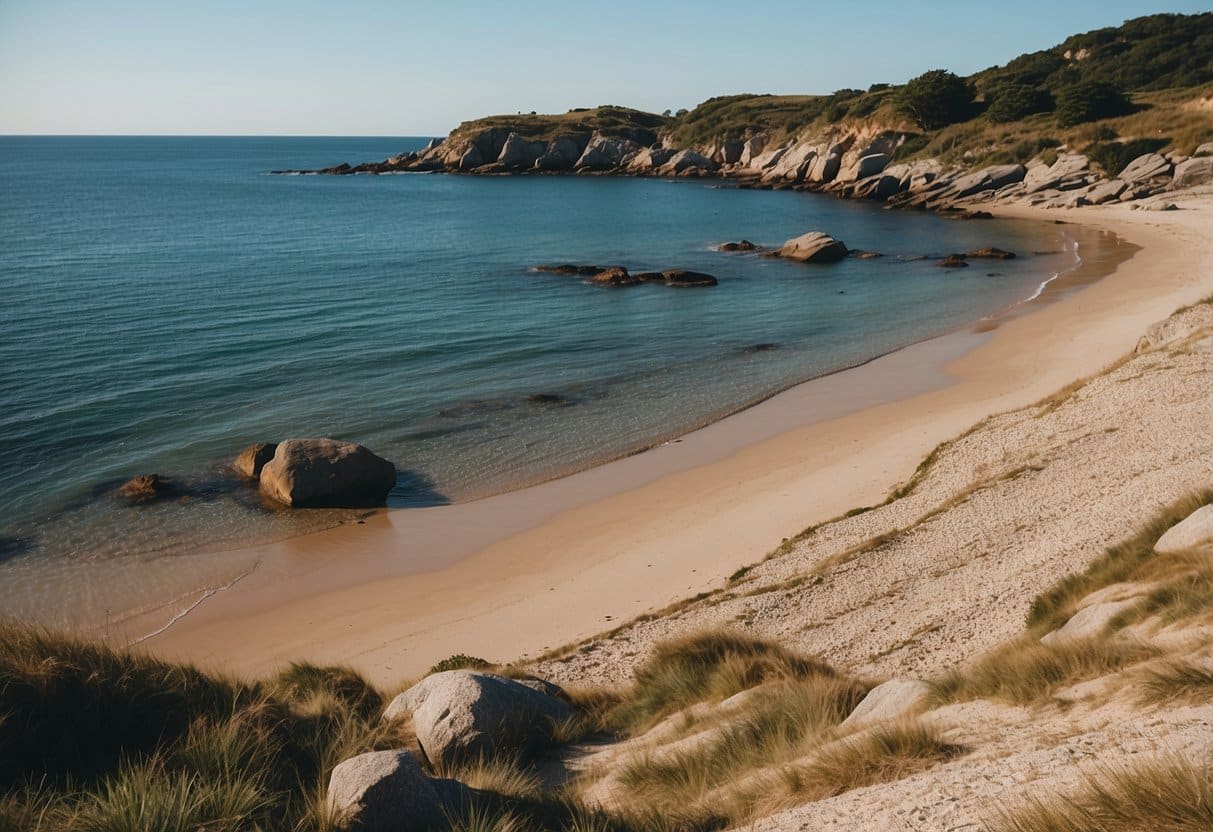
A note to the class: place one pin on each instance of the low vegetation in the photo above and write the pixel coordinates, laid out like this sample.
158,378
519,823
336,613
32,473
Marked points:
1172,795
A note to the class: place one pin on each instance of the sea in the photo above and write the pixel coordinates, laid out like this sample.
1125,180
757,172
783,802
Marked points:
169,300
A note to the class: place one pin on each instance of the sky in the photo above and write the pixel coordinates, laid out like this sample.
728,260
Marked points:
401,68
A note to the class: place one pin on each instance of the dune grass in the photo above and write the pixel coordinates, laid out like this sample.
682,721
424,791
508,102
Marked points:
1173,680
1168,795
703,667
1131,560
1026,672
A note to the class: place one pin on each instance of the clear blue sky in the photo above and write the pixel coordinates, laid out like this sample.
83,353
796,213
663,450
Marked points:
373,67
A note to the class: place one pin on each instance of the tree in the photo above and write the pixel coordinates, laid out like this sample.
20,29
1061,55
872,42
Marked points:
1011,102
1090,101
936,99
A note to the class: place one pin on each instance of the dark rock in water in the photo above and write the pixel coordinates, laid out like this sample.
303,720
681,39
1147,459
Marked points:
761,348
12,547
860,254
910,258
650,277
339,170
954,261
681,278
615,276
253,458
570,269
991,253
744,245
549,398
147,487
977,215
326,472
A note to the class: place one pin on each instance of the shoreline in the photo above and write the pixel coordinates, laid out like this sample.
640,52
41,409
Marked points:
561,573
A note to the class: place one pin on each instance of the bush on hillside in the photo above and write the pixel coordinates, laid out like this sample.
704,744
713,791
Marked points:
1114,157
1090,101
936,99
1012,102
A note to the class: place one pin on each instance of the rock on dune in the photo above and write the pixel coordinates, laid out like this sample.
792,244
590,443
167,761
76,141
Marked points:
465,715
1089,622
895,699
813,247
1194,533
326,472
383,791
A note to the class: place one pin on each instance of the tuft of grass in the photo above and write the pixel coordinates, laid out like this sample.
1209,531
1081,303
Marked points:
782,723
74,709
504,776
460,661
302,681
887,753
1024,671
1132,559
1174,680
710,665
1168,795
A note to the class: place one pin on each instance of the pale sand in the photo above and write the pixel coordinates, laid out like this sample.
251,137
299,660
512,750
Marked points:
561,561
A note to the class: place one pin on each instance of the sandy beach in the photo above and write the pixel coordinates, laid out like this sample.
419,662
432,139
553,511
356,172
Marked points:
514,575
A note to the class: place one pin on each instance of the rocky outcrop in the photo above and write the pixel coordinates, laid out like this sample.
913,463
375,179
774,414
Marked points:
743,245
603,153
1146,167
520,154
326,472
686,161
1193,534
1065,174
616,276
813,247
383,791
954,261
562,153
465,715
991,253
1193,172
253,458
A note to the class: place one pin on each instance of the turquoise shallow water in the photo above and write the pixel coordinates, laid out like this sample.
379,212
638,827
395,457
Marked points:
167,302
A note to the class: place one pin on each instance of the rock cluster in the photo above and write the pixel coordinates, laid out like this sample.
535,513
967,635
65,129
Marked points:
620,276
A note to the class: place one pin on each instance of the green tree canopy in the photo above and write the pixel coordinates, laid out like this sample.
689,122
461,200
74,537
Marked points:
1011,102
1090,101
936,99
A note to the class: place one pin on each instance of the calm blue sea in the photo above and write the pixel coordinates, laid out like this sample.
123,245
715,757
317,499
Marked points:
167,301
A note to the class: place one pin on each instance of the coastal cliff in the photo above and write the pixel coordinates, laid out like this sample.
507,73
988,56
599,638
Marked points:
1102,117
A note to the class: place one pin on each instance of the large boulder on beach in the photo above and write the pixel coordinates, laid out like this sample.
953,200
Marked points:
253,458
326,472
813,247
466,715
383,791
1197,171
1144,167
1193,534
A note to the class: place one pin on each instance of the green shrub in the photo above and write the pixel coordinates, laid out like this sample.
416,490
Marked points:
1090,101
1012,102
936,99
459,661
1114,157
303,680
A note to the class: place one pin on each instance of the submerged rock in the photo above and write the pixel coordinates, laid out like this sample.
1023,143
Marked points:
681,278
616,276
954,261
743,245
147,488
326,472
813,247
991,253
